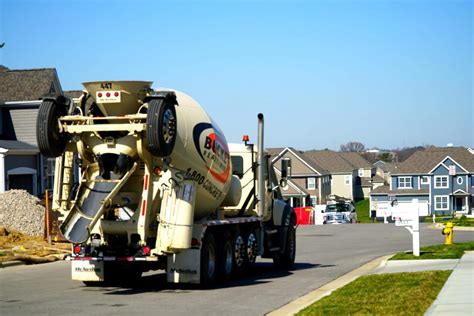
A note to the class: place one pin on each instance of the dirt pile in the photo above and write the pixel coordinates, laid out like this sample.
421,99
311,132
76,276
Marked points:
22,212
30,249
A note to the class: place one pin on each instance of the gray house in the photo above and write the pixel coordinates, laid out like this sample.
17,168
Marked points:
440,179
21,165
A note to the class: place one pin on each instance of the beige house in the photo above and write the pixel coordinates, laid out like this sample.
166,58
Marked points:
365,171
310,183
343,174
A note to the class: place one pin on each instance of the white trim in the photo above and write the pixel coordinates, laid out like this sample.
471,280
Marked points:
460,191
459,178
313,186
428,180
442,163
419,183
280,155
441,187
447,203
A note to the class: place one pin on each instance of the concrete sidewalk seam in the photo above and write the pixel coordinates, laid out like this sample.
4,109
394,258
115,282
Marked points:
315,295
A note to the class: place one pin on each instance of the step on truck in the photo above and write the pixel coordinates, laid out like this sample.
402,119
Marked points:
145,180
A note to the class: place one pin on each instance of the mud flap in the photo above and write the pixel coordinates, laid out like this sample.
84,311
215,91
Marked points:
184,267
87,270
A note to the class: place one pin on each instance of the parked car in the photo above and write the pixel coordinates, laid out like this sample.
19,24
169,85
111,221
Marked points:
341,213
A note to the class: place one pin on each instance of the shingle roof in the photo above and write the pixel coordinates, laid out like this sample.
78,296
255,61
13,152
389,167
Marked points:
355,159
329,160
388,166
377,179
425,160
28,85
385,189
276,151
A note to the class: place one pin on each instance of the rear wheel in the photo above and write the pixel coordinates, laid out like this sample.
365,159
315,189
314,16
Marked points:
161,126
51,142
208,260
251,249
239,253
226,258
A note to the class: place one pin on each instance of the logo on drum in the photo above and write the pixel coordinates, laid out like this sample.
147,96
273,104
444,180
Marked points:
213,150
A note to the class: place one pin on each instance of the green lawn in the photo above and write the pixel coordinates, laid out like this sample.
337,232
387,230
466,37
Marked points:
454,251
362,210
385,294
462,221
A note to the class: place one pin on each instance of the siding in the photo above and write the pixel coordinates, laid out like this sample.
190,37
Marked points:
24,124
339,187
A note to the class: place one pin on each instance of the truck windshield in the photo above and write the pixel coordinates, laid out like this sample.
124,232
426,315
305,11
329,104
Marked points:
337,208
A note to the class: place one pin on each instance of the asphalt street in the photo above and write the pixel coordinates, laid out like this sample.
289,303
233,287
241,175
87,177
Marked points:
324,253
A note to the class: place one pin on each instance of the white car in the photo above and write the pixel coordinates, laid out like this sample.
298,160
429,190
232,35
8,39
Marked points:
340,213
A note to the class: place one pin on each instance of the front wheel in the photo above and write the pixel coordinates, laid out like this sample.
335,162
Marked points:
286,260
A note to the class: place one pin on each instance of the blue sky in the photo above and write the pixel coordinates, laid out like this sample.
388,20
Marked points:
385,73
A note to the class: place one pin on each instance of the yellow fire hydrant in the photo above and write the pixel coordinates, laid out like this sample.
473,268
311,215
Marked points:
448,232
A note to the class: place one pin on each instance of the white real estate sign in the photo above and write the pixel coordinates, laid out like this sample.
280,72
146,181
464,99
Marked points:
411,221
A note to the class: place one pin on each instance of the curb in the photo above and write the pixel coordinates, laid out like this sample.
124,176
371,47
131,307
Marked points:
8,264
314,296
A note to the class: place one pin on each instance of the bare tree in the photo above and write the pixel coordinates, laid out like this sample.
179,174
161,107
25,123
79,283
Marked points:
353,146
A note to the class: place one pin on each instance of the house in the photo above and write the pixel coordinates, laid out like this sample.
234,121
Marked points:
384,169
21,164
309,184
365,172
439,180
343,175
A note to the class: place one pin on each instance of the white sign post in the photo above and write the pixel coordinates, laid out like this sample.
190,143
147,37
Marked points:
411,221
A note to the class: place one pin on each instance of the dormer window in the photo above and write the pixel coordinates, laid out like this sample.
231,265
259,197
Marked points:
404,182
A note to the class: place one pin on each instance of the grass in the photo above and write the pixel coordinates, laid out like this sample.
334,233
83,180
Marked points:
454,251
362,210
384,294
460,221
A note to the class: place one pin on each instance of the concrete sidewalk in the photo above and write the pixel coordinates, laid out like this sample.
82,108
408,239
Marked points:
457,295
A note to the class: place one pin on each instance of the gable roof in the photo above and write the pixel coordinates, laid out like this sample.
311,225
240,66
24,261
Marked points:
422,162
355,159
28,84
276,152
329,160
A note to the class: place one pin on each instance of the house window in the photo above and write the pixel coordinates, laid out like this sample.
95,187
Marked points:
314,200
459,180
441,182
404,182
361,172
425,180
311,183
441,203
347,180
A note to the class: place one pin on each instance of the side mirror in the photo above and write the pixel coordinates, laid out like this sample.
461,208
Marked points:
286,168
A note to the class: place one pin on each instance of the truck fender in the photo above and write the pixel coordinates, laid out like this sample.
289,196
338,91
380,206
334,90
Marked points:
281,212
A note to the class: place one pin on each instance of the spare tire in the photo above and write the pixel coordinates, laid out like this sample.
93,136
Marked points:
51,142
161,129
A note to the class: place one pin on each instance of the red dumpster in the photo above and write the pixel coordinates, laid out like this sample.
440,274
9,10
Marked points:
303,215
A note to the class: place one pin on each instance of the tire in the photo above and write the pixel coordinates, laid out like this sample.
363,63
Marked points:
208,261
251,247
161,126
239,250
226,258
51,142
286,260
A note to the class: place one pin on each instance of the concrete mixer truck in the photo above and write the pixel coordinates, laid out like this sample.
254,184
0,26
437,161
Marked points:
145,180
